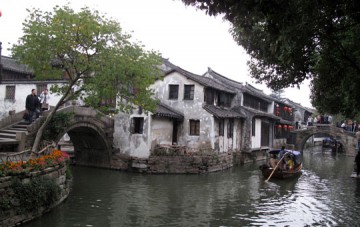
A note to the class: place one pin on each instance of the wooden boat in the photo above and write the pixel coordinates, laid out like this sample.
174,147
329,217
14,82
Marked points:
280,173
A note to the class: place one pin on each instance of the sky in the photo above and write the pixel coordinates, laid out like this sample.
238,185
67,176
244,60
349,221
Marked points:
186,36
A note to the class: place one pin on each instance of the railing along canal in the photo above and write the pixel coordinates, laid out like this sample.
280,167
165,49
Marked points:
27,154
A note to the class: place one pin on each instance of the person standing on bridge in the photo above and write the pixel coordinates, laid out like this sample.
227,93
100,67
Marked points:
44,100
32,105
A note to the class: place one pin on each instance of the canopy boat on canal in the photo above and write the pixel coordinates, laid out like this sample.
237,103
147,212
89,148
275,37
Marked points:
290,165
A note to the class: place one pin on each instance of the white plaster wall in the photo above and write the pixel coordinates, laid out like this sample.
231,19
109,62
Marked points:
191,109
161,131
136,145
256,140
21,92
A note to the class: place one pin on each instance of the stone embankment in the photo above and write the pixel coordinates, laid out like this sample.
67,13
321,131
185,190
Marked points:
23,198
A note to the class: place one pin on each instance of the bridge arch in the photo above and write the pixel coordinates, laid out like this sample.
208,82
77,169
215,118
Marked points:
347,139
91,134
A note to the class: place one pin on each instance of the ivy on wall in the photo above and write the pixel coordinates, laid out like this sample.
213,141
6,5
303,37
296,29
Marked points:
57,125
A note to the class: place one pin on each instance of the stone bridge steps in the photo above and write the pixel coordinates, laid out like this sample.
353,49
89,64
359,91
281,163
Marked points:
8,134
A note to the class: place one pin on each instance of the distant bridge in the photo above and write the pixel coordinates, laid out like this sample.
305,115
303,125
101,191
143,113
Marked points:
346,138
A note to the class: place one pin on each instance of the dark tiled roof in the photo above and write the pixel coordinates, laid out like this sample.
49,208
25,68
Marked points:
163,110
257,93
239,86
223,113
256,112
205,81
226,81
13,65
299,106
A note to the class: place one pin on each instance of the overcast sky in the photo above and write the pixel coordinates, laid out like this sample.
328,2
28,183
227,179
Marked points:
184,35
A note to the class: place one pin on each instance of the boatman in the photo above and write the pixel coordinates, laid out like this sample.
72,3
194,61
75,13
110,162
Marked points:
281,154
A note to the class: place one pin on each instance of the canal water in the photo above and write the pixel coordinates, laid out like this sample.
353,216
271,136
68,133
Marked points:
324,195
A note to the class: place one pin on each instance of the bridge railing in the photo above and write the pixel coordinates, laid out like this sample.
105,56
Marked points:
47,148
15,157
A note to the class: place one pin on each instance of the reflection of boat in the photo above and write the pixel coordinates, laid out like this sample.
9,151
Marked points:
280,172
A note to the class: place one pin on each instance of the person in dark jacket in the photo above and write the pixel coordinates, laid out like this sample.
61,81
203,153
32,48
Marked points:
357,162
32,105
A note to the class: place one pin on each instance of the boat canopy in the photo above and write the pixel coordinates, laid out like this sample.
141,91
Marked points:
295,154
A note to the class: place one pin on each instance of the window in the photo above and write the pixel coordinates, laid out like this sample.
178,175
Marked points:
189,92
255,103
10,93
173,91
253,127
137,125
221,127
40,88
230,128
209,96
224,99
195,127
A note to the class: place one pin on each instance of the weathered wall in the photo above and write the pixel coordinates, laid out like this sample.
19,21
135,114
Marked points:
279,142
137,145
191,164
225,144
161,130
21,92
191,109
12,216
249,157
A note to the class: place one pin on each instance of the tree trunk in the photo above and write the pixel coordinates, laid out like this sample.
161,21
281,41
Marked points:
48,119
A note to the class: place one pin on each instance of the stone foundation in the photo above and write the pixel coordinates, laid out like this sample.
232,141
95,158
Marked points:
183,164
11,212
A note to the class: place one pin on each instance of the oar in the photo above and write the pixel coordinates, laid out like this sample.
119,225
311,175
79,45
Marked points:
276,167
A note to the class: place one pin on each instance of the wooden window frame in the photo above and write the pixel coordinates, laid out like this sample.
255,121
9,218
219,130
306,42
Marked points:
221,127
194,127
189,90
10,92
230,128
173,91
253,127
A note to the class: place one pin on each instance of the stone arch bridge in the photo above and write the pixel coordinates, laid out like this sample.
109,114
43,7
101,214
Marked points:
90,131
348,140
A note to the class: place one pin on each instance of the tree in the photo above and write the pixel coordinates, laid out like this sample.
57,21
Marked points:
278,94
293,40
99,61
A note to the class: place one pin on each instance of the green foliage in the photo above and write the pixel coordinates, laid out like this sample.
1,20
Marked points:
68,173
39,192
56,126
293,40
92,53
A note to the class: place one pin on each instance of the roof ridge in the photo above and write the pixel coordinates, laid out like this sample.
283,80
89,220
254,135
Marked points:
210,70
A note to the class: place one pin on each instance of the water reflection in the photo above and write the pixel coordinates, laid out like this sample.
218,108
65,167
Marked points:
323,195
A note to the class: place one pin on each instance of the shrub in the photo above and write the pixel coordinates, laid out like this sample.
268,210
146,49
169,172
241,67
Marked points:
39,192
